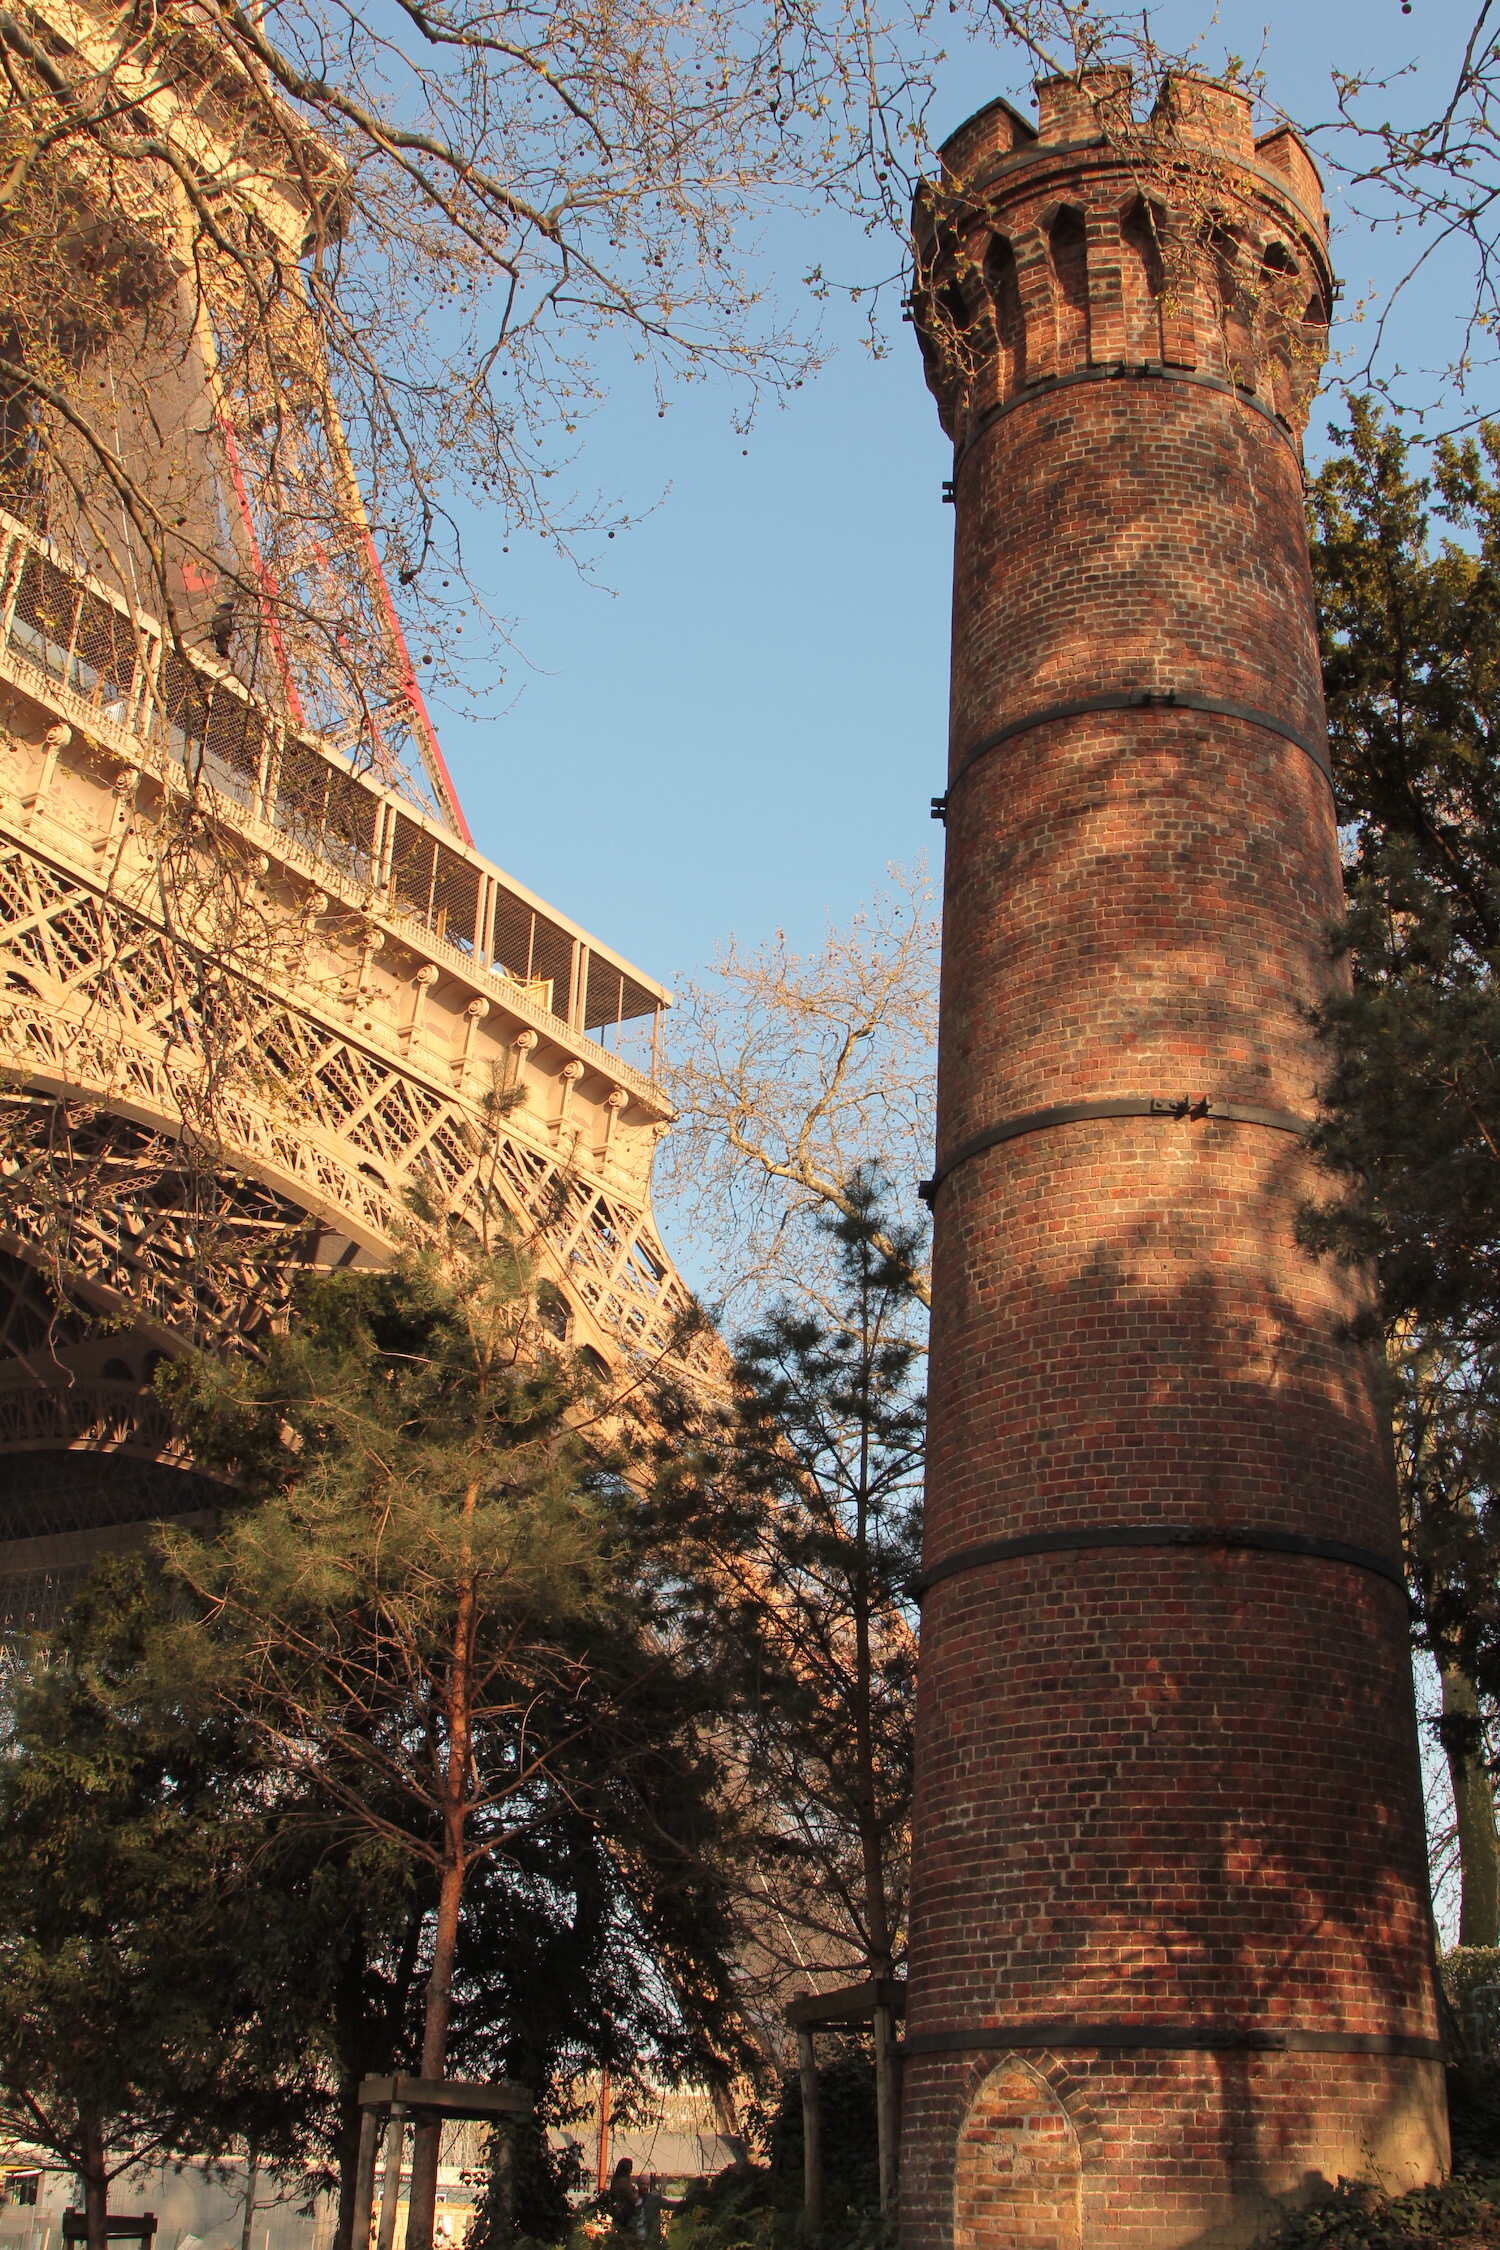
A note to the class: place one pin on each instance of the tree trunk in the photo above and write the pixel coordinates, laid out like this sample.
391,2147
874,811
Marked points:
880,1967
249,2219
426,2136
812,2132
421,2202
871,1839
601,2144
93,2177
729,2129
887,2106
390,2184
346,2155
1474,1808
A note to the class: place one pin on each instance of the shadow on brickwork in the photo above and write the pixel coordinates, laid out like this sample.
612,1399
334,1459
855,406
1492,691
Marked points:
1219,1791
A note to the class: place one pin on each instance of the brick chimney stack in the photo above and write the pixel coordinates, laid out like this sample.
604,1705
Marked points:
1171,1961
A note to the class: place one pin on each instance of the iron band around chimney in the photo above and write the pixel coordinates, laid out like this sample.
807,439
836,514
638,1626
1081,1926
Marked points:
1187,1108
1233,1538
1173,2038
1147,699
1123,371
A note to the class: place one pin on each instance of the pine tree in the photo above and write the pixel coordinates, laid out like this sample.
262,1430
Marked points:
1408,575
800,1510
439,1622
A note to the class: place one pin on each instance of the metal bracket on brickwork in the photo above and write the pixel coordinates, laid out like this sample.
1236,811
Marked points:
1192,1108
1134,699
947,492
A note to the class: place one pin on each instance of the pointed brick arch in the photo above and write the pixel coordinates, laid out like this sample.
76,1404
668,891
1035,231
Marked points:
1142,277
1018,2176
1003,283
1067,245
1233,299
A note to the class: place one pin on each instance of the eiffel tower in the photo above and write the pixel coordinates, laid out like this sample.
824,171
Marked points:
257,985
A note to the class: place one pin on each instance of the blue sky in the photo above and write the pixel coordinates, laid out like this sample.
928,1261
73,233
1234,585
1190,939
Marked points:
743,723
742,727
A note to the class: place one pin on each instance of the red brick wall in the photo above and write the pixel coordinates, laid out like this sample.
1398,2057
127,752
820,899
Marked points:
1166,1793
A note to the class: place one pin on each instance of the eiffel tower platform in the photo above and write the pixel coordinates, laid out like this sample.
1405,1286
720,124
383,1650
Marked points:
251,999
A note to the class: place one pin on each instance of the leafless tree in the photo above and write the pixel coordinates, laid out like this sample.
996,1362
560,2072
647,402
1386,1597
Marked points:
791,1071
327,268
1427,162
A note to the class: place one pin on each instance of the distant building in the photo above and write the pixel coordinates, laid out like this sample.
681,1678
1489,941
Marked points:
201,2206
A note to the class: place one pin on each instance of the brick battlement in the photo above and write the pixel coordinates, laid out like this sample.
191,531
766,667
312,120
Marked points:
1097,242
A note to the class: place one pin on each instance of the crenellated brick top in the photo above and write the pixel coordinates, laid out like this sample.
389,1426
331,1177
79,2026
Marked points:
1098,239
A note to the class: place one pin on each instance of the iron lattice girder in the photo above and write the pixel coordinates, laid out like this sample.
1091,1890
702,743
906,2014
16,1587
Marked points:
123,1220
179,1135
256,984
105,1008
57,1485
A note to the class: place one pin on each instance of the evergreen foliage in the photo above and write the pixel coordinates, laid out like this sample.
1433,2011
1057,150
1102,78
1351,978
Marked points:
1467,1970
1411,651
798,1516
1461,2214
761,2208
799,1511
1407,566
449,1638
848,2139
159,1988
525,2189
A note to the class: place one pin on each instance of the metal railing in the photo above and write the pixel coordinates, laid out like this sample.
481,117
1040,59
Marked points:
116,673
